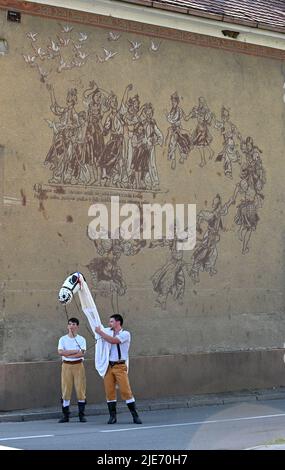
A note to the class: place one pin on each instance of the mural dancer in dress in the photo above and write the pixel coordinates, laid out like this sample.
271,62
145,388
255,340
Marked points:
206,253
249,189
96,100
60,154
201,137
132,111
111,164
154,137
179,138
170,278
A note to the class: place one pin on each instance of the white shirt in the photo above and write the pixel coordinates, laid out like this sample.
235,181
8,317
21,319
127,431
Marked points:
125,341
67,343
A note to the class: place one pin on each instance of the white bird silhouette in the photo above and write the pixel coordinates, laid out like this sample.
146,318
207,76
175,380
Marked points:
134,45
154,47
108,55
54,47
32,36
76,46
83,37
66,28
113,36
81,55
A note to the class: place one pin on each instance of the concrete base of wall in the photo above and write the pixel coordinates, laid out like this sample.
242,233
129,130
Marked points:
37,384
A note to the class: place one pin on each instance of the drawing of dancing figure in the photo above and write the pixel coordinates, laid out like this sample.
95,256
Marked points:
206,253
246,217
170,278
60,154
201,136
111,164
229,154
179,138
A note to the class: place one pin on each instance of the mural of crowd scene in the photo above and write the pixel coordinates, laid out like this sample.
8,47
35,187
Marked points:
110,143
247,197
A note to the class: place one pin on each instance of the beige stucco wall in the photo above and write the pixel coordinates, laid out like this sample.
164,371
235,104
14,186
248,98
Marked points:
241,306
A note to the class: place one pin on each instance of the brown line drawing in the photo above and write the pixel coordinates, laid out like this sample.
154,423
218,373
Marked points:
206,253
229,154
201,137
179,138
170,278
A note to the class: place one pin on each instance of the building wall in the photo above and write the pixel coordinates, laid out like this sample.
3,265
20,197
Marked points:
185,310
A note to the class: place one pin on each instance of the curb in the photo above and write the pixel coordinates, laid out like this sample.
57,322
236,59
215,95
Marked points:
148,405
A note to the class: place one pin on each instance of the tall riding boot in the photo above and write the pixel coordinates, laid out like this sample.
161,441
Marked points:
132,408
81,408
112,411
65,415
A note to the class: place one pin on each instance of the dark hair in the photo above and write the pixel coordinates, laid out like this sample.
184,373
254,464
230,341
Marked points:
73,320
118,317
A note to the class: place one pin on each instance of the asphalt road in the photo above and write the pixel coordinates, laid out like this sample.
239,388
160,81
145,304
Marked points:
236,426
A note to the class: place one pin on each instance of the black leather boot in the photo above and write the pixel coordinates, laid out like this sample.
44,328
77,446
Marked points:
65,415
132,408
112,411
81,408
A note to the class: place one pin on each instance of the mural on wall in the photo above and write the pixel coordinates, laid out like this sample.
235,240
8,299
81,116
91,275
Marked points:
170,278
63,52
68,50
105,271
104,141
109,144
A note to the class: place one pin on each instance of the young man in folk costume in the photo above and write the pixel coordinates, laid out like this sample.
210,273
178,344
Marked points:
71,348
117,372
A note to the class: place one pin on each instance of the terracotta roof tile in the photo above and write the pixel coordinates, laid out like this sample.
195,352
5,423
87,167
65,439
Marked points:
254,13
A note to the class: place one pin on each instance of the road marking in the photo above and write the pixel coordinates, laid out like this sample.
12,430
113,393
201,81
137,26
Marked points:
197,423
24,437
9,448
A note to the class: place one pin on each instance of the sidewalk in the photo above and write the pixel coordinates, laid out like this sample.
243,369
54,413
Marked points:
148,405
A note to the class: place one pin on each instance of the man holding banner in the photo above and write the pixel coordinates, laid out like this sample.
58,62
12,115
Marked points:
117,371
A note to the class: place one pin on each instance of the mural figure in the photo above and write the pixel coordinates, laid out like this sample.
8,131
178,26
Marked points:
154,137
206,253
229,154
201,137
111,161
179,138
246,217
61,153
80,171
96,101
170,278
131,111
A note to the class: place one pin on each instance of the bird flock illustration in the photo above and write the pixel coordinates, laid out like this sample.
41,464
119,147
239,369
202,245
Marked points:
68,51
